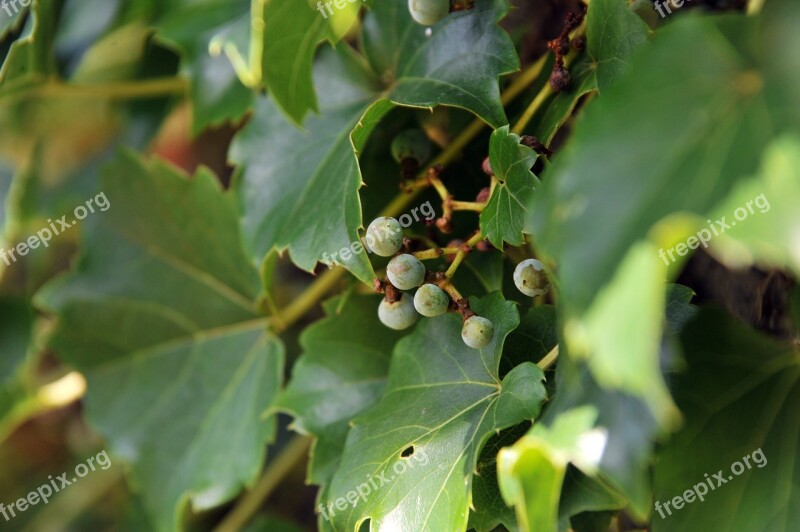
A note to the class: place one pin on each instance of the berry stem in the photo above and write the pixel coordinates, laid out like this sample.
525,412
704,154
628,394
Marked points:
290,456
549,359
462,253
451,290
435,253
467,206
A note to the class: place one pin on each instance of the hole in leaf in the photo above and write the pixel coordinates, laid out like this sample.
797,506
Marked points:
408,451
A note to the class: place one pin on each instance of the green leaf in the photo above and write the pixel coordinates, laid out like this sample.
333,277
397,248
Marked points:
490,511
504,216
536,335
739,395
200,30
424,437
342,373
586,499
8,24
532,471
30,59
299,189
678,309
292,31
613,33
623,354
631,426
599,242
457,65
15,335
763,212
158,315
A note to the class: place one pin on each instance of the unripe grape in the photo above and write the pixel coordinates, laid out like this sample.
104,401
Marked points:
411,144
405,272
477,332
398,315
428,12
431,301
384,236
530,278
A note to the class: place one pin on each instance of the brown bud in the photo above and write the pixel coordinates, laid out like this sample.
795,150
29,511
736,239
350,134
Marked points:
484,246
483,195
444,225
487,167
560,78
559,45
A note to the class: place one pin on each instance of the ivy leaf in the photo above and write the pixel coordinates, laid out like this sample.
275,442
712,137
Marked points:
30,60
424,437
490,510
763,214
598,243
613,32
532,471
158,315
342,373
738,396
457,64
299,189
504,216
631,430
15,335
679,309
10,23
292,31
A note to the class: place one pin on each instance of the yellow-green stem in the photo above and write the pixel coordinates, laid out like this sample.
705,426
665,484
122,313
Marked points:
251,503
467,206
133,90
549,359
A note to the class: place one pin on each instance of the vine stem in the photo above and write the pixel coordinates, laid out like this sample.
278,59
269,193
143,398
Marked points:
451,271
534,106
549,359
249,505
467,206
150,88
435,253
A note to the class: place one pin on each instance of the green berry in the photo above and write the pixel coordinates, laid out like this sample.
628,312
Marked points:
531,279
398,315
384,236
411,144
405,272
431,301
477,332
428,12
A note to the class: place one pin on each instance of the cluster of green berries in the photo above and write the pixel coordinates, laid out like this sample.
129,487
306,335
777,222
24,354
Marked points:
406,272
